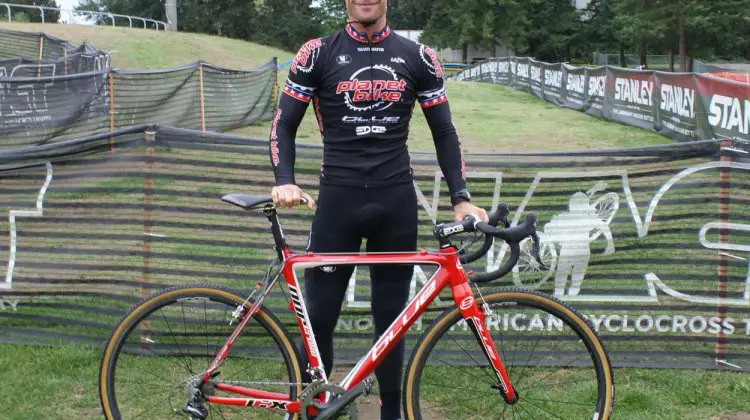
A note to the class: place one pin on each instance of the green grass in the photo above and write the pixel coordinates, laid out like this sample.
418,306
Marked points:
61,382
137,49
495,118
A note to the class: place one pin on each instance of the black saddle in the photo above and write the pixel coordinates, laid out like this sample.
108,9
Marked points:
247,202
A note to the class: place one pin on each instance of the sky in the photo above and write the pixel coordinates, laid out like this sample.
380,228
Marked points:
67,4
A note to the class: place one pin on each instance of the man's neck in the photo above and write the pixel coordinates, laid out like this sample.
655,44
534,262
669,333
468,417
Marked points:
372,29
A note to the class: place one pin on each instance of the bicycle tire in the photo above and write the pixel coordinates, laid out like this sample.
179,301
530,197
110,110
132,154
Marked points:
510,299
192,294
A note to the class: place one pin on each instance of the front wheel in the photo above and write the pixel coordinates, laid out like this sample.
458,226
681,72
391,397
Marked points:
555,361
173,336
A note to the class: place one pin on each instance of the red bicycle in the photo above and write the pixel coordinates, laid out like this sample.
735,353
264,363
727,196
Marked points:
511,354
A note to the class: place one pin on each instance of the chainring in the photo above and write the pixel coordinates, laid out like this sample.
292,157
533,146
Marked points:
307,397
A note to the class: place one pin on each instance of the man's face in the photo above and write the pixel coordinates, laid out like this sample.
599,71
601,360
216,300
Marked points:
366,12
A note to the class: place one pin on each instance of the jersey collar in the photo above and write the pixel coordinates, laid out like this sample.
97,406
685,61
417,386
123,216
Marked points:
362,36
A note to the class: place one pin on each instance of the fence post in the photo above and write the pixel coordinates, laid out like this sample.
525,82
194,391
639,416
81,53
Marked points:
200,94
41,51
720,351
275,91
111,81
148,201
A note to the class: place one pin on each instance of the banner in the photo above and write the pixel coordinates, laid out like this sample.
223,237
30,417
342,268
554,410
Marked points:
681,106
596,91
678,107
630,98
574,87
650,244
726,107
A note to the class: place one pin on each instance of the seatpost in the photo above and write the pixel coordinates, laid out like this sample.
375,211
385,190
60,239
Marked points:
278,234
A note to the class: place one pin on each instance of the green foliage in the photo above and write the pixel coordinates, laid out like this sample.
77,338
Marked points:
715,29
34,15
331,14
546,29
408,14
549,30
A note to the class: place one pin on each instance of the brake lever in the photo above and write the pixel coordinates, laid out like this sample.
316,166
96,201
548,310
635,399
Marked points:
535,252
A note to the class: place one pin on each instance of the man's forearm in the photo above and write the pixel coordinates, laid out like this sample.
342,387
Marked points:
448,146
283,133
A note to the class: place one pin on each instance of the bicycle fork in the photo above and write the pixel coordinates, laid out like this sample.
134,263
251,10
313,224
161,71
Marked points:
474,315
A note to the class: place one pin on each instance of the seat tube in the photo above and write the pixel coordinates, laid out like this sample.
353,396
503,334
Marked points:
278,234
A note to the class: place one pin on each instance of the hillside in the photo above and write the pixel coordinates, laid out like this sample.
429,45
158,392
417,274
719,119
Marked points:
489,118
149,49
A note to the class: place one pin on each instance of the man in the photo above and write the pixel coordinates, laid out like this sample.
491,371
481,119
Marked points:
364,82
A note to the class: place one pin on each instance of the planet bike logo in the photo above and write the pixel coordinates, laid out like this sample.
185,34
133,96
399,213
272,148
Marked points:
384,88
428,57
307,53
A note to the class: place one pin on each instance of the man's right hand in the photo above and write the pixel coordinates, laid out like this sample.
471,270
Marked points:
290,195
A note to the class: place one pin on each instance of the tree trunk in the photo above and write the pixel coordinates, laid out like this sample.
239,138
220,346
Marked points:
494,47
622,56
644,58
683,57
464,53
670,58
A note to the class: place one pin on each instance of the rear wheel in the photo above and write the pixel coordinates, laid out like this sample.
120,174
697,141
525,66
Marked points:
555,361
173,336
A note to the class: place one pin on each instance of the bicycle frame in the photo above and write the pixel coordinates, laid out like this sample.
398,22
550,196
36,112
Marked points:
449,273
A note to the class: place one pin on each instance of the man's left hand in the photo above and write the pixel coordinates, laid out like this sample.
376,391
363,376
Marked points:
461,210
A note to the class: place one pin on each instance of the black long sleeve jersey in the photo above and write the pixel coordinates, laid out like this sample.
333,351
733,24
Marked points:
364,91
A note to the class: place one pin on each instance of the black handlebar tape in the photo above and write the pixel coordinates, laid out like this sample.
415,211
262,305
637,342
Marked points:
515,252
499,214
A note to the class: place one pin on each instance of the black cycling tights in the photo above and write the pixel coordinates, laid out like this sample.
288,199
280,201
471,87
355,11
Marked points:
387,217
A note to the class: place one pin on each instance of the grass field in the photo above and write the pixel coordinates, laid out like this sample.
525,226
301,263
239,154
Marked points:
60,382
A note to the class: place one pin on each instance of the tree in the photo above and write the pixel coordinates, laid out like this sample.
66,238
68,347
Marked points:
331,14
150,9
286,24
35,15
546,29
409,14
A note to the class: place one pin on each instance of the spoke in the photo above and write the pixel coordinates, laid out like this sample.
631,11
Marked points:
187,365
446,386
554,346
462,370
187,337
546,385
503,412
147,409
564,402
526,410
149,372
205,324
529,359
557,370
473,359
515,348
140,382
216,409
546,411
137,396
502,346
